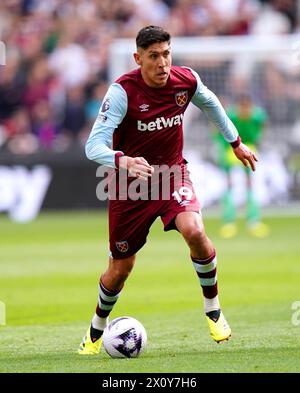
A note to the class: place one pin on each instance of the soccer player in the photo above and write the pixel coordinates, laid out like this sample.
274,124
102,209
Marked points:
139,131
250,120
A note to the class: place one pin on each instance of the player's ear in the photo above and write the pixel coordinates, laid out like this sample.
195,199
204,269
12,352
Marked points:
137,58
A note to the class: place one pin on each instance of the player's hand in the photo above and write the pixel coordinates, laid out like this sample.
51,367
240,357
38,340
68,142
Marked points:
247,156
136,167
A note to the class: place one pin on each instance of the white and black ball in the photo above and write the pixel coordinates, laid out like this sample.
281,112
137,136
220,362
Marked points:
124,337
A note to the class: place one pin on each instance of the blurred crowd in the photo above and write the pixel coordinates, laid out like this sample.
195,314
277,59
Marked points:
56,70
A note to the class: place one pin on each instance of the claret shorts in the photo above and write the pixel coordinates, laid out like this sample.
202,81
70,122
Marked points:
130,220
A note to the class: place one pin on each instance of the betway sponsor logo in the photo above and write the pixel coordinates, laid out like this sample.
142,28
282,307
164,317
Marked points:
160,123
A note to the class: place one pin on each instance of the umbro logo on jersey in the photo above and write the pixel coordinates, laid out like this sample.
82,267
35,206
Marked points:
160,123
144,107
181,98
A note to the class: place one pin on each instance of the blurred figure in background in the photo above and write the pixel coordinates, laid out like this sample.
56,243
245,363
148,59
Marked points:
20,139
43,124
11,88
250,120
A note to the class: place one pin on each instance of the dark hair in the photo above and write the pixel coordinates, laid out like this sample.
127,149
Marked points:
151,35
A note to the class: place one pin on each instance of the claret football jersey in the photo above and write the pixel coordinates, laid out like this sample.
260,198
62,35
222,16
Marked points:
152,125
142,121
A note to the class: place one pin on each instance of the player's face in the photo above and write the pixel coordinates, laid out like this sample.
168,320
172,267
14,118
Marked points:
245,109
155,62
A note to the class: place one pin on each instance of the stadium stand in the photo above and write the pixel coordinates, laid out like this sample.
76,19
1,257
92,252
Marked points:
58,65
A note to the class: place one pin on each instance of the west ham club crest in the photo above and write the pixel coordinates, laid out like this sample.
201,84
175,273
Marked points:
122,246
181,98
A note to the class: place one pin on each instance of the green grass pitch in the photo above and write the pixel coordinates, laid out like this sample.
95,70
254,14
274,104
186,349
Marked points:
49,272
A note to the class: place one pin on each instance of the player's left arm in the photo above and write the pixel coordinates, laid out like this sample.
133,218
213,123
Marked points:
206,100
246,155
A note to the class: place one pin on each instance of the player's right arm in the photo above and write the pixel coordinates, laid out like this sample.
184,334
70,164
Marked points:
98,147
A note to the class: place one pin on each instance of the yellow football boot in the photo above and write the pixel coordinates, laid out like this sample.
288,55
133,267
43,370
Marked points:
228,231
218,326
88,346
259,229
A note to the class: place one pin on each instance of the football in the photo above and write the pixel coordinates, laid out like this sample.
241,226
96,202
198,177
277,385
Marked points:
124,337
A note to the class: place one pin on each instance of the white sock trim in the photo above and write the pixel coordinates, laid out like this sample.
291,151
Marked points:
99,323
211,304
